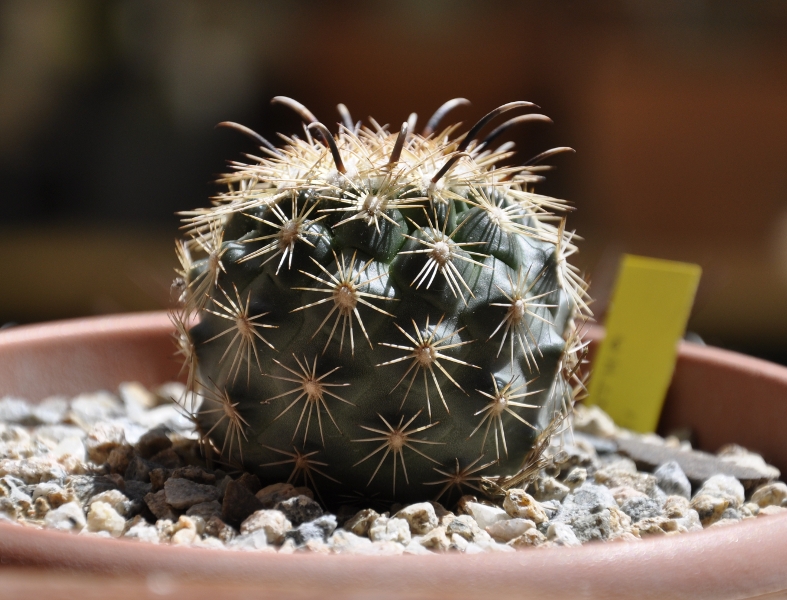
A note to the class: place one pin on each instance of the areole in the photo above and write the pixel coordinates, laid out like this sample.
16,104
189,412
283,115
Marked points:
724,397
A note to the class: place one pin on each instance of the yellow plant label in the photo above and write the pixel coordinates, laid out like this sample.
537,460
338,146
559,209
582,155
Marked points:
646,318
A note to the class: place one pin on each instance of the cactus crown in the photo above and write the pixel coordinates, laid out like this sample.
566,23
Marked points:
380,314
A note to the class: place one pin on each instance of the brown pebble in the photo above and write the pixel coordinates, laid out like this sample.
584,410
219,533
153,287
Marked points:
239,503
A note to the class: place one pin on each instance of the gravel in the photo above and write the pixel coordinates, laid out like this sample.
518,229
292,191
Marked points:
127,465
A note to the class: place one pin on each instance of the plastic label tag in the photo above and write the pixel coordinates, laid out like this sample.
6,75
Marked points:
646,318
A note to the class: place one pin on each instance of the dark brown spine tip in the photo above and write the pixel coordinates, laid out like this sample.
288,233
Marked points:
548,153
296,106
510,123
441,112
328,139
250,133
347,120
447,166
488,117
399,144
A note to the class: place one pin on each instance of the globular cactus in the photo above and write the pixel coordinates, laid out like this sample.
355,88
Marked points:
381,314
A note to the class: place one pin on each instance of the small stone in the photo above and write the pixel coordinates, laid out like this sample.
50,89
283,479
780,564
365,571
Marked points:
158,477
138,469
671,478
115,498
640,508
459,543
571,456
436,540
50,411
238,503
183,493
101,439
768,511
89,409
576,477
742,457
54,494
625,474
205,510
485,515
195,473
676,507
68,517
15,410
464,525
256,540
119,458
317,530
550,488
530,538
217,528
593,526
136,397
272,522
421,517
143,532
250,482
360,523
183,537
346,542
71,446
505,531
165,529
519,503
153,442
771,494
270,495
752,508
415,547
157,503
562,535
709,508
169,459
594,421
623,493
102,517
724,486
299,509
390,530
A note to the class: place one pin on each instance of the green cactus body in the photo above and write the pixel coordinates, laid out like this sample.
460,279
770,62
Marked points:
380,314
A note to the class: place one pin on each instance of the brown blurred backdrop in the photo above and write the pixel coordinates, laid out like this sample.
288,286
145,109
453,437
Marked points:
677,109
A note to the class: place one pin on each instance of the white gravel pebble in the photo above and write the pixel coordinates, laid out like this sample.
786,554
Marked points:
390,530
421,517
485,515
505,531
520,504
272,522
68,517
102,517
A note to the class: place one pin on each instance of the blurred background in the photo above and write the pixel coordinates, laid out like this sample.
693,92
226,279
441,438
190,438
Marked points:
677,110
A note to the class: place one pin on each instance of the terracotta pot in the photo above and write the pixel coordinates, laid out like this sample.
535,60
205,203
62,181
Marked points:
724,397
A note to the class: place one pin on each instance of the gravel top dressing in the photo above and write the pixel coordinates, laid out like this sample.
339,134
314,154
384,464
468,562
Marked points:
128,465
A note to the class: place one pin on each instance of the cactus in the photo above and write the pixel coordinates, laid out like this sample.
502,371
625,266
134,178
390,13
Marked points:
379,314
